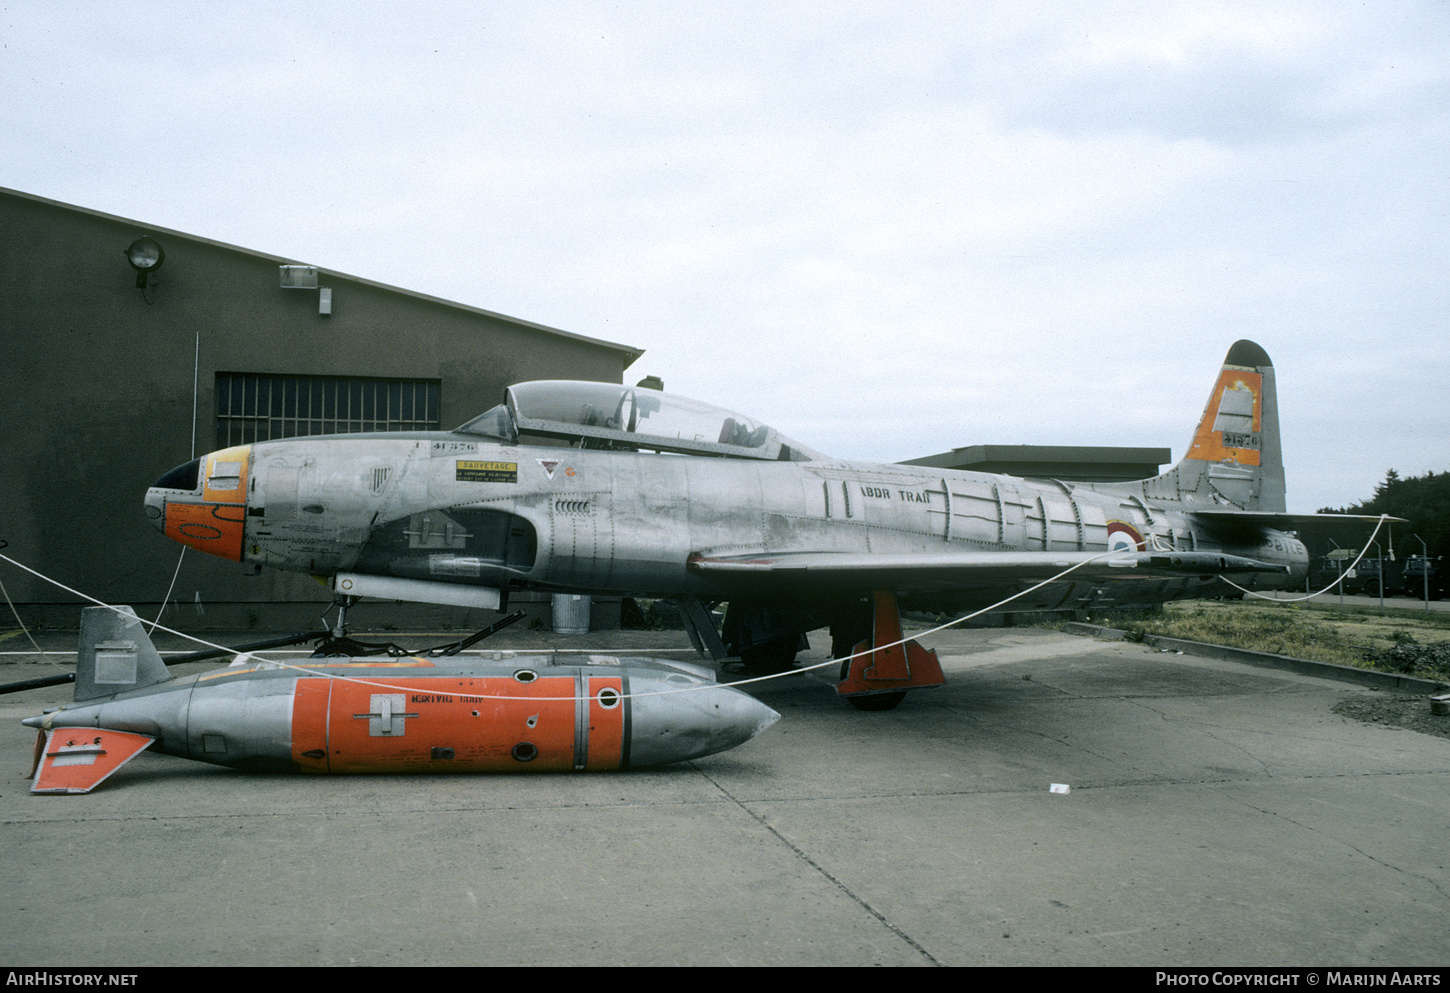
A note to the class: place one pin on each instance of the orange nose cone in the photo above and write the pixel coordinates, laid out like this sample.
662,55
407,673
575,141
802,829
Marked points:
203,503
208,527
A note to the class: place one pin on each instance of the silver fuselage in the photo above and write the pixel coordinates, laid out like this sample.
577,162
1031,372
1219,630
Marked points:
448,509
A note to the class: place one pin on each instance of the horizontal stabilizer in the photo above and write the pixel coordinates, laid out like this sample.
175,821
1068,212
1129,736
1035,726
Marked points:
1286,522
77,760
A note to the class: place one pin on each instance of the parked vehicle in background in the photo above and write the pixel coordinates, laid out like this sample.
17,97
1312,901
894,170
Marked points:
1419,568
1364,578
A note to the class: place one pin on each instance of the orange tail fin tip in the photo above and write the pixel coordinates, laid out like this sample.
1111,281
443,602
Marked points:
77,760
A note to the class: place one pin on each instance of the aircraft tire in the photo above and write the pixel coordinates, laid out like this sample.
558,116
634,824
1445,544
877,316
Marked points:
877,701
770,657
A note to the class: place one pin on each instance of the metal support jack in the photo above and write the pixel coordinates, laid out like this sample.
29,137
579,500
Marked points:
700,626
878,678
339,629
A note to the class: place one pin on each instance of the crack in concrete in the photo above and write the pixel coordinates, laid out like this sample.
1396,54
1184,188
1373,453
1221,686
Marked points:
1204,728
823,871
1347,844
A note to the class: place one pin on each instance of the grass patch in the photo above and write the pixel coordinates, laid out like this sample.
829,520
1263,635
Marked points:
1350,636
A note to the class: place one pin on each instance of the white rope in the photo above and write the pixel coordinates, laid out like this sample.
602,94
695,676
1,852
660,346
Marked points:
1309,596
930,631
477,696
167,598
22,623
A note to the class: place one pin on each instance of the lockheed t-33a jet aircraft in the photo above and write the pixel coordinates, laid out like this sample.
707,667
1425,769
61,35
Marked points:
604,489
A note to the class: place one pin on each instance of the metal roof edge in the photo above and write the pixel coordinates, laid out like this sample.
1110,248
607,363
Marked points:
632,353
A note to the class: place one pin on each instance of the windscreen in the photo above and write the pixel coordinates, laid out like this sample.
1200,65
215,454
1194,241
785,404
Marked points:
495,424
608,415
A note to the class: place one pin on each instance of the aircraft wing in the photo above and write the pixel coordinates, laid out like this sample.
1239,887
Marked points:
954,570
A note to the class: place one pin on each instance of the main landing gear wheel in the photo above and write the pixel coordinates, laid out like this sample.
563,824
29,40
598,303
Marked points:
770,657
877,701
872,702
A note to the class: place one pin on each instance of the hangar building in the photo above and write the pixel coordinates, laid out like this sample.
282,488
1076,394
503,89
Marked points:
112,376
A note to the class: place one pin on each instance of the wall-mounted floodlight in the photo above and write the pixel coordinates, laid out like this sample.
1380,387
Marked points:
298,277
145,255
304,277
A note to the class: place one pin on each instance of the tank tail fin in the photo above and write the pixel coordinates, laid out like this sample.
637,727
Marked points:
115,654
1234,460
77,760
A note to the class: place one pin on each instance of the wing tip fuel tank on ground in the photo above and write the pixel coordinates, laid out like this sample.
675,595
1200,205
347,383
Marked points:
515,713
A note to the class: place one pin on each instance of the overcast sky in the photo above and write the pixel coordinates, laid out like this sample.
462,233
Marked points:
887,229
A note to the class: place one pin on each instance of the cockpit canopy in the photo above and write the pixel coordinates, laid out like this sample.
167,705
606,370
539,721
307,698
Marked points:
607,415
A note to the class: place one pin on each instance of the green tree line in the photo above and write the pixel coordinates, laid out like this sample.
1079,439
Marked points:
1424,501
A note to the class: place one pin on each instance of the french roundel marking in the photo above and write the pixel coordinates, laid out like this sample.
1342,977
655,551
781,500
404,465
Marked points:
1123,537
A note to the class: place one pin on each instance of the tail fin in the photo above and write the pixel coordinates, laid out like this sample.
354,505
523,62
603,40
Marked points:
115,655
1235,459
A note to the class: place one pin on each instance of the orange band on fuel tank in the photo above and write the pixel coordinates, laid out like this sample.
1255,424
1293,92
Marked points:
309,724
606,722
439,725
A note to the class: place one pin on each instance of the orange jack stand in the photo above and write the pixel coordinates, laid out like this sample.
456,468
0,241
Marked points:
894,669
